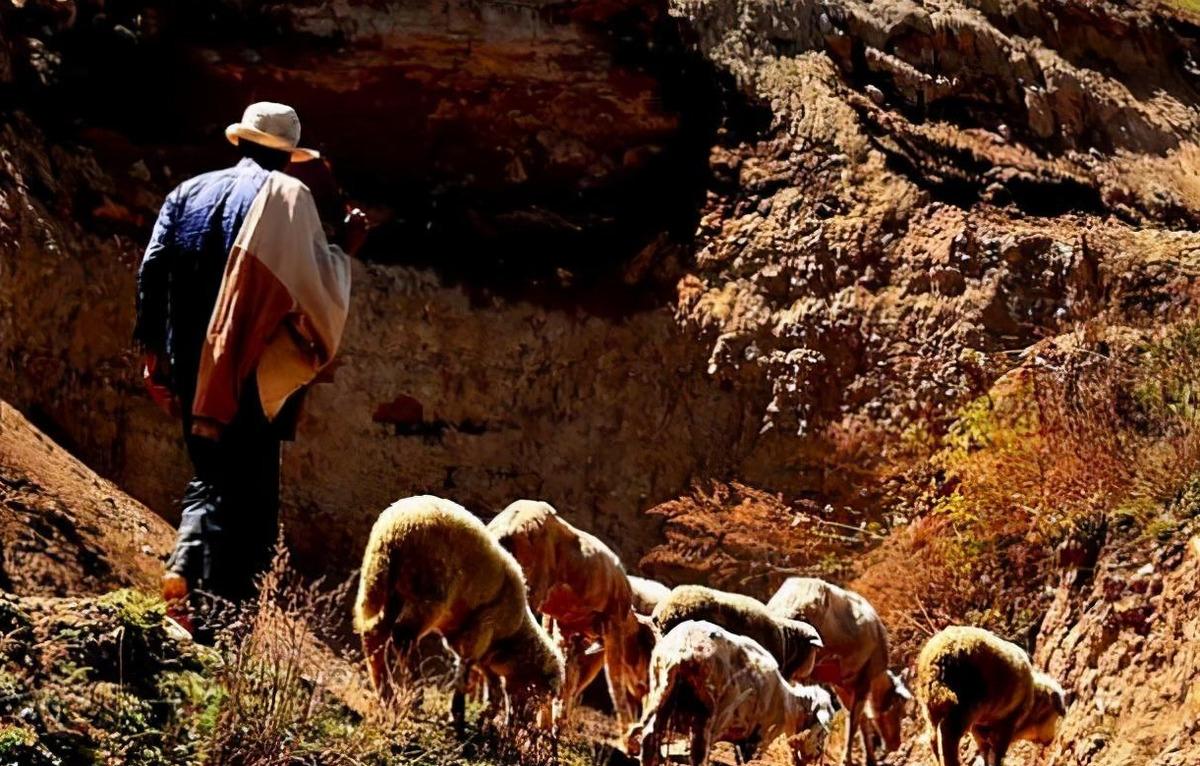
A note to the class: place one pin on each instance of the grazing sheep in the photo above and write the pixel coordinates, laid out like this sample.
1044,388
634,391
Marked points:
792,642
854,658
970,680
576,580
719,686
646,594
431,567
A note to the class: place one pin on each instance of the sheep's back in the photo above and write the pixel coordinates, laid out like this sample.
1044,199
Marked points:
439,553
974,671
735,678
646,594
849,626
735,613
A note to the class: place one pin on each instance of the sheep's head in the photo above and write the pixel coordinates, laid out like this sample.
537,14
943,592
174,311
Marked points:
633,740
1049,706
889,703
531,665
639,639
801,642
810,730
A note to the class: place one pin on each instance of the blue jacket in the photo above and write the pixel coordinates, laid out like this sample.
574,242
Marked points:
180,275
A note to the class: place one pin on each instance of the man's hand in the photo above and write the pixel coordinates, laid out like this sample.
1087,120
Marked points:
354,231
154,377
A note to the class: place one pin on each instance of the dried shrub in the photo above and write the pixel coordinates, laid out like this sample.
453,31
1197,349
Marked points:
1071,444
283,691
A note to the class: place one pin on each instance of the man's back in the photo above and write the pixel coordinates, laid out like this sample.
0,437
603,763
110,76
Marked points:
185,261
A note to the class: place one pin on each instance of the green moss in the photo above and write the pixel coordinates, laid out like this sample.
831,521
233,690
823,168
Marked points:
136,610
1162,529
21,747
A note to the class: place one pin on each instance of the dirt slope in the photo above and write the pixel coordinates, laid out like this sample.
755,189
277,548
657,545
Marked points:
63,529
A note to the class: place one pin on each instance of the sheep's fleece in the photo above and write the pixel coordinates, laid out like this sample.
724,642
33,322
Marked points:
735,678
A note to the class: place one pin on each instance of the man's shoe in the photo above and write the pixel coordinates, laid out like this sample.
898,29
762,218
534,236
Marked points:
178,597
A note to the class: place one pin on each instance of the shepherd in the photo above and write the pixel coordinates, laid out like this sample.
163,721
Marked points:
241,303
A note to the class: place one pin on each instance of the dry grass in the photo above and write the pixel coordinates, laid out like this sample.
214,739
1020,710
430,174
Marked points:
286,697
109,680
289,698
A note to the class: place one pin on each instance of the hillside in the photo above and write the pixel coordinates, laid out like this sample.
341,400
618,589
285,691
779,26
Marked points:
901,294
65,530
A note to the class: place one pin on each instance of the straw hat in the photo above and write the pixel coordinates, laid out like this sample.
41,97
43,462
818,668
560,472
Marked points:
275,126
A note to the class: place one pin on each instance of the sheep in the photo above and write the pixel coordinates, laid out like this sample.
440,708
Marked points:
970,680
646,594
576,580
854,658
430,566
791,642
719,686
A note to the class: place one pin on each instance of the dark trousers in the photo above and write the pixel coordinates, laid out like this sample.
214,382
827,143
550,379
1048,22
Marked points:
230,517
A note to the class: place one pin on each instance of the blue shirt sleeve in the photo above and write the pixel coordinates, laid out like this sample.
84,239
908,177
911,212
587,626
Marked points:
151,329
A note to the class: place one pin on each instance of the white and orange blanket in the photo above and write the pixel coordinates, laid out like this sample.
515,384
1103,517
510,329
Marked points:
281,308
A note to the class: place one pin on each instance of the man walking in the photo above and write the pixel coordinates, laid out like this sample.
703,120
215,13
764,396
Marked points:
241,303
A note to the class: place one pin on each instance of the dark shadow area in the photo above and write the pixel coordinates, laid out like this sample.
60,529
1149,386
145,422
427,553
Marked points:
580,189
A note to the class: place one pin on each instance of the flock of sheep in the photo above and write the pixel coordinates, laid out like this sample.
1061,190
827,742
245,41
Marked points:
691,660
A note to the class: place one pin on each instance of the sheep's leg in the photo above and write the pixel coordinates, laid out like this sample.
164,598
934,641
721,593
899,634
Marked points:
853,714
375,649
1000,748
470,643
701,741
573,649
496,699
589,667
950,731
744,751
866,731
643,741
458,703
616,639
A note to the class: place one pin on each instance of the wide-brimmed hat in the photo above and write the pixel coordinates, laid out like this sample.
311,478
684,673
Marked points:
275,126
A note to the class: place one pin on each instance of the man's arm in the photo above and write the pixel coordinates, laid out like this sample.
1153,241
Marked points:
151,329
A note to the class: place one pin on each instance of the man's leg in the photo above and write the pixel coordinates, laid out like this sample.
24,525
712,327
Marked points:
189,567
230,515
251,511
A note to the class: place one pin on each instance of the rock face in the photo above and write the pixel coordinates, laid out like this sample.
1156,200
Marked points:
1125,641
489,401
625,247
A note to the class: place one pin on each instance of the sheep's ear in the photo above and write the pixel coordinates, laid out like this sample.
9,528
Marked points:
900,687
649,622
1060,703
593,649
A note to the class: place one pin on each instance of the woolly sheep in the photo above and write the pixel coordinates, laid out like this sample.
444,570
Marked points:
646,594
854,658
970,680
577,580
719,686
429,567
792,642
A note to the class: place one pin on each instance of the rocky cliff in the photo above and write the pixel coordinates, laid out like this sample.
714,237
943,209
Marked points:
738,264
